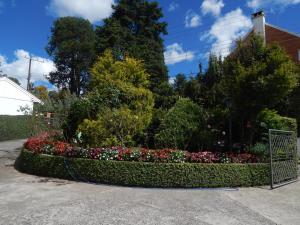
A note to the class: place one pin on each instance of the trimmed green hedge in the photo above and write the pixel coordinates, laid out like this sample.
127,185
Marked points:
14,127
141,174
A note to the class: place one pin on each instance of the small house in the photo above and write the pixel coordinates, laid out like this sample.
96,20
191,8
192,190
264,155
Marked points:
13,97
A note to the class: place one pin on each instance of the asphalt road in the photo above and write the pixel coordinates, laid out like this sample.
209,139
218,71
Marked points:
26,199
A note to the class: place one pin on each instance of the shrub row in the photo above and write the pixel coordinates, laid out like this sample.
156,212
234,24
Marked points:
14,127
184,175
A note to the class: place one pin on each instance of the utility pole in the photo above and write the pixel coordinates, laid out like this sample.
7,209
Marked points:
29,69
29,74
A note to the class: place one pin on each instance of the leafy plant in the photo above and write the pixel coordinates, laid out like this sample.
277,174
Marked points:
180,125
124,102
261,150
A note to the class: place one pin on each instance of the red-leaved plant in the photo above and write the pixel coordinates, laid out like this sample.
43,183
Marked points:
47,144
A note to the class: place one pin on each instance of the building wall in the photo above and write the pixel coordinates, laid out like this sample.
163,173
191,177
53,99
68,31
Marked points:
291,43
11,99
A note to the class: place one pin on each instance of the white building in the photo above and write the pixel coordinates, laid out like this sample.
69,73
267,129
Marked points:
13,97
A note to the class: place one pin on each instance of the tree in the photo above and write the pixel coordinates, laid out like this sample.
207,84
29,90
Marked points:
72,46
41,92
135,29
257,77
194,90
1,72
214,71
125,102
15,80
179,84
182,125
165,97
290,106
56,103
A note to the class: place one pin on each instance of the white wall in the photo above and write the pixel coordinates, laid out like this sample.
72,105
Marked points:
11,98
11,107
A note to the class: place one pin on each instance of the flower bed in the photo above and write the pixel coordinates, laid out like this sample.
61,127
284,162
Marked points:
46,144
48,156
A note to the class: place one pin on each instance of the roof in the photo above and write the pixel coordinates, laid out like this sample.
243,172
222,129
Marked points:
31,96
283,30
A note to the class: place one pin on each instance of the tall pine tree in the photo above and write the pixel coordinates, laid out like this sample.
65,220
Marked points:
72,47
135,29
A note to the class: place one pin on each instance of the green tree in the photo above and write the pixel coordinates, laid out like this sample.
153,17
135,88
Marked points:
180,84
165,97
194,90
135,29
56,103
214,71
1,72
182,125
212,89
290,106
72,47
15,80
41,92
125,102
257,77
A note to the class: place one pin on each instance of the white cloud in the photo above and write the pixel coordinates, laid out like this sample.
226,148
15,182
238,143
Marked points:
213,7
255,4
226,30
93,10
173,6
172,80
192,19
18,68
174,54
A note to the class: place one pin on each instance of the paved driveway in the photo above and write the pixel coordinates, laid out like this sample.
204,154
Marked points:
26,199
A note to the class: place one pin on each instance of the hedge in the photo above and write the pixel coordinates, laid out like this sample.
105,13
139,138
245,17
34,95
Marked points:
188,175
14,127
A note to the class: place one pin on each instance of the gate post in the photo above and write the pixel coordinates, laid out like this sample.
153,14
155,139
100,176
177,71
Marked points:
271,160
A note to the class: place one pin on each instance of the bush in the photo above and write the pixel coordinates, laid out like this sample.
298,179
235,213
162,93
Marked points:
113,127
79,110
145,174
269,119
14,127
119,105
88,108
261,150
180,125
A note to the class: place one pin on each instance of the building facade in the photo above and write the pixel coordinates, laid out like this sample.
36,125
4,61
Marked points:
13,97
289,41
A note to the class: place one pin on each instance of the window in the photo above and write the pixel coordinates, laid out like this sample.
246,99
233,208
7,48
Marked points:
298,54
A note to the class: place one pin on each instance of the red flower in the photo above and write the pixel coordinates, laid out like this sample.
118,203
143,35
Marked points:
60,147
35,144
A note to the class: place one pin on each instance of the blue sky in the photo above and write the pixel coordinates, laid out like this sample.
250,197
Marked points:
196,27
